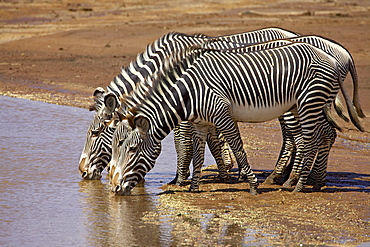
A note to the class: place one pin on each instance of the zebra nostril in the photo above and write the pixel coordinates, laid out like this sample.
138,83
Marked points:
84,175
117,189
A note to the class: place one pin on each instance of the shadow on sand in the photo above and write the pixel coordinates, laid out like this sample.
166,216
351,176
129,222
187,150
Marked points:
335,182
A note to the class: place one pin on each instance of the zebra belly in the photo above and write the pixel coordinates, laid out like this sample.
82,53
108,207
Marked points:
259,114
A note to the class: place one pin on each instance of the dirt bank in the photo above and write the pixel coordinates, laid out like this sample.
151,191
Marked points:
60,52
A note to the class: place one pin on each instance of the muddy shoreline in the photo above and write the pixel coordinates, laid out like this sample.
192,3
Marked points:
59,53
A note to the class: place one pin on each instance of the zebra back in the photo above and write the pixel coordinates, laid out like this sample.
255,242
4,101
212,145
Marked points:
344,59
257,36
153,61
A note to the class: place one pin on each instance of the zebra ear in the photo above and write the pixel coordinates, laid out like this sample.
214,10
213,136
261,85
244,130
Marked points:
99,91
111,102
142,123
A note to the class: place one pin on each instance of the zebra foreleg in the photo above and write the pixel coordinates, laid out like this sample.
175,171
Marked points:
199,135
307,164
317,175
184,149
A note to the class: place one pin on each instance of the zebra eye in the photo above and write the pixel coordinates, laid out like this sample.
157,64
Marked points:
132,149
95,133
120,142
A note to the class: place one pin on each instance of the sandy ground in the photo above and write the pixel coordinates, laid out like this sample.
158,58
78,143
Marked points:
60,52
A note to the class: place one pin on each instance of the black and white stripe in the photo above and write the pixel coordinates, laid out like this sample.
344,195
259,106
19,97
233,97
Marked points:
146,64
221,88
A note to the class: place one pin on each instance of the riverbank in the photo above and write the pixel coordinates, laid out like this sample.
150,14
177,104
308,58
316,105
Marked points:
59,53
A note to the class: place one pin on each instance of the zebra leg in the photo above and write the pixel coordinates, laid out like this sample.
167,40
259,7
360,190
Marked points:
318,172
215,145
294,132
199,142
312,127
308,160
227,155
317,177
287,149
230,131
184,149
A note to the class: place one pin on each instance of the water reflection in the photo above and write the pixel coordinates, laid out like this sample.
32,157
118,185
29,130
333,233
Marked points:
42,198
114,220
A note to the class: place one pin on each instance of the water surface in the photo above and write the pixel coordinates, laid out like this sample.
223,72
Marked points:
44,201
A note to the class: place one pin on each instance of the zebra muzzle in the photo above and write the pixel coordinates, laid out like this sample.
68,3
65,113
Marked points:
91,174
124,190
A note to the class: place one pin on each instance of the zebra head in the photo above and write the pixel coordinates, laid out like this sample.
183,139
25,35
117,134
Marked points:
97,150
133,155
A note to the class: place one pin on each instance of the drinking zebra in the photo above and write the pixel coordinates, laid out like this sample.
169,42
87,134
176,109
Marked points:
97,150
221,88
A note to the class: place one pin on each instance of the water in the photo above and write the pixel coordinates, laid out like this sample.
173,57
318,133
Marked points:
43,200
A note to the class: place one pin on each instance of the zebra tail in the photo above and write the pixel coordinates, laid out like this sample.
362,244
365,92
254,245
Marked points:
356,98
339,108
351,110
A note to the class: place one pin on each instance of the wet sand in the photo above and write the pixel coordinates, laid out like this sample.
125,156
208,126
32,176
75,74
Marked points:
59,53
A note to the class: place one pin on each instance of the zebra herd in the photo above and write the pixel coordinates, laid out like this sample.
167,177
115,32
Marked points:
201,86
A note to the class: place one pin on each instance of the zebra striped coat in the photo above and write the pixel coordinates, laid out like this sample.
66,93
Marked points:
97,150
289,125
222,87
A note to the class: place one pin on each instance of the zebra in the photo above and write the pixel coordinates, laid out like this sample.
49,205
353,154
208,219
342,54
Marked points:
97,140
97,149
254,87
346,65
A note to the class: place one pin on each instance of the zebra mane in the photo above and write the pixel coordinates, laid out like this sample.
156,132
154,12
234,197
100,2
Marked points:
155,81
200,35
129,71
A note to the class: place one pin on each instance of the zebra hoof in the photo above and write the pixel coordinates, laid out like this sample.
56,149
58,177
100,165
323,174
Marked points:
253,191
225,179
270,180
316,188
288,184
193,190
298,189
194,187
182,183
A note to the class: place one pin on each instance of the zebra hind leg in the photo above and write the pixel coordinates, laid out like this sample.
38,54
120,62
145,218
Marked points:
317,177
215,145
230,131
293,137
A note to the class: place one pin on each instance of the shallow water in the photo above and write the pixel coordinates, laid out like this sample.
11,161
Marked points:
44,201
